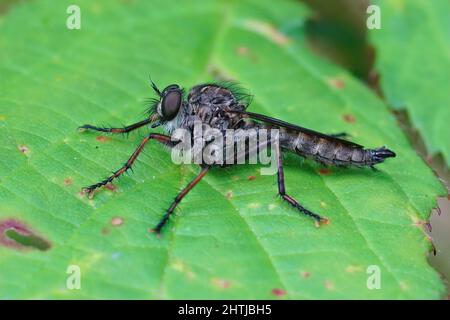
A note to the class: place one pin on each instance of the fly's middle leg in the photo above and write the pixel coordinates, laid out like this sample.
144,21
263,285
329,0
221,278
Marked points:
282,192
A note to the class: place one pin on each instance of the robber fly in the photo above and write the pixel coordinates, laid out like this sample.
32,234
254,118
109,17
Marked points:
224,106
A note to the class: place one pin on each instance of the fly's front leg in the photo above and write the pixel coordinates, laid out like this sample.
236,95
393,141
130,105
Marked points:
158,137
282,192
178,199
126,129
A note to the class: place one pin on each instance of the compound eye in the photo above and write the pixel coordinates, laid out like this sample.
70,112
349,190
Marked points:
171,104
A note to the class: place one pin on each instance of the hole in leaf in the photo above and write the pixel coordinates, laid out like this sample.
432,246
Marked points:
14,234
28,240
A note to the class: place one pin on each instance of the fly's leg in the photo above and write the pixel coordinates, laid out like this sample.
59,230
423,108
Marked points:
178,199
158,137
126,129
282,192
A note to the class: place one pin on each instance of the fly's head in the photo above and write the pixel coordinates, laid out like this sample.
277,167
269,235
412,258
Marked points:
167,109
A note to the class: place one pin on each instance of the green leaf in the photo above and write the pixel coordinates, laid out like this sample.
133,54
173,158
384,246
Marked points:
413,58
231,237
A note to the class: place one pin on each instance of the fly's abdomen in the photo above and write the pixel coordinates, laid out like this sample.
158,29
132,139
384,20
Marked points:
333,151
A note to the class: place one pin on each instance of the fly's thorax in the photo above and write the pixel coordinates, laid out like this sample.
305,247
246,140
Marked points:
211,95
211,105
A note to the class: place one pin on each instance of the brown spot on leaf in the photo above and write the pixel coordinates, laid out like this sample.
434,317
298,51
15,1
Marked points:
267,30
323,221
337,83
324,171
17,235
105,231
251,178
102,139
242,51
348,118
329,285
353,269
24,149
111,187
221,283
246,52
116,221
229,194
278,292
68,181
305,274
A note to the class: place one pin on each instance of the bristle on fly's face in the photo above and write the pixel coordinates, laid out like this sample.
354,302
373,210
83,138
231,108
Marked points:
151,104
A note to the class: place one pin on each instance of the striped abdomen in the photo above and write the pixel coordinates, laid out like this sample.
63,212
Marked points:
332,151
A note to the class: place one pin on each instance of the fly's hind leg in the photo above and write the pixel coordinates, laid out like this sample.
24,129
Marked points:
127,166
282,192
178,199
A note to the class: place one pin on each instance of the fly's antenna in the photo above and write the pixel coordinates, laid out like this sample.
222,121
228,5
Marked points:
155,88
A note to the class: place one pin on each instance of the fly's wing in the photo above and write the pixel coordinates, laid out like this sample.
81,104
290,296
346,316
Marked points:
284,124
251,150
